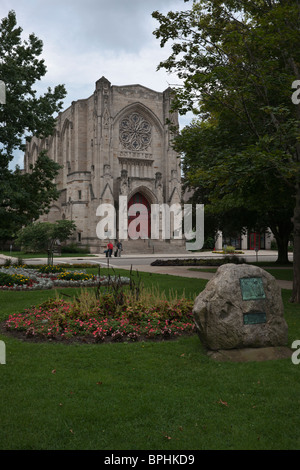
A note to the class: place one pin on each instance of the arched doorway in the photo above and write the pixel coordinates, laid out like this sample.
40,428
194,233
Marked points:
142,226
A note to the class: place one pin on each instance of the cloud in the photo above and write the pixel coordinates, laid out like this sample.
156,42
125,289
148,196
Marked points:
80,72
87,39
90,25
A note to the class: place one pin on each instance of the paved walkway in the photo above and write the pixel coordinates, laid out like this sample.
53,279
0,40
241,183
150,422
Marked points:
249,255
265,255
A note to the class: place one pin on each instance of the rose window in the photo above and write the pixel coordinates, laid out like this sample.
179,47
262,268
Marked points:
135,132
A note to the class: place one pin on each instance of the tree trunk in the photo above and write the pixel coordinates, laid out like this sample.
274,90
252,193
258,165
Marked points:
283,255
282,232
296,220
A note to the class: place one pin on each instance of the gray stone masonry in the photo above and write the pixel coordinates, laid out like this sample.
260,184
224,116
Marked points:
116,142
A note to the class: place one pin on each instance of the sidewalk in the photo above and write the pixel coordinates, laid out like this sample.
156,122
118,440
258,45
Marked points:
183,271
261,255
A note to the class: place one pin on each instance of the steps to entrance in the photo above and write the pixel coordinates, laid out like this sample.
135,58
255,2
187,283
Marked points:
152,247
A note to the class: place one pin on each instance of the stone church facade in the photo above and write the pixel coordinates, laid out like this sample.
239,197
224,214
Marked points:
116,142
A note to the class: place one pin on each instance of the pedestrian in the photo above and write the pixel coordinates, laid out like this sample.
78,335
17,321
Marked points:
119,248
110,248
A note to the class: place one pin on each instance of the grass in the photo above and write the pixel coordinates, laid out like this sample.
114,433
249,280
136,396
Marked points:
148,395
284,274
23,255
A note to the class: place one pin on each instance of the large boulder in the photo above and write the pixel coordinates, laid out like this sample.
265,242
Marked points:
240,307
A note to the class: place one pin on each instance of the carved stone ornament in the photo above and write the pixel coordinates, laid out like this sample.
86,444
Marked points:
135,132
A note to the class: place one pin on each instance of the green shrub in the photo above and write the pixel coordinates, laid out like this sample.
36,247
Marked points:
199,262
229,249
51,269
74,248
209,243
274,245
11,279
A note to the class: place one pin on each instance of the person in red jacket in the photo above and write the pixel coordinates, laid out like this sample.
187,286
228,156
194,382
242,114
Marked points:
110,248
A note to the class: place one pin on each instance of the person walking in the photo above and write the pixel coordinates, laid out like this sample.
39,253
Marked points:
110,248
119,248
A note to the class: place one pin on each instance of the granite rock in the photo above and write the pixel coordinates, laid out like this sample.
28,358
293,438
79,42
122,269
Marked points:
227,315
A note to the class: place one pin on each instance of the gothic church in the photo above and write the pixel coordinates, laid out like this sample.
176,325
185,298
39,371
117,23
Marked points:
116,142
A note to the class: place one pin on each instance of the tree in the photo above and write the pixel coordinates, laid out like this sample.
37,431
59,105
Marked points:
238,61
201,147
42,236
229,181
24,196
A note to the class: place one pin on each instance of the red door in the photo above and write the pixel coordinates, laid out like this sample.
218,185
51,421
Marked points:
254,240
143,213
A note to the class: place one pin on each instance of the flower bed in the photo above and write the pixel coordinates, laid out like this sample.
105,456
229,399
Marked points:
20,278
98,320
50,268
11,279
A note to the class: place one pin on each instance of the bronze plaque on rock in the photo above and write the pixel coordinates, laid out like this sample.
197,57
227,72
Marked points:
254,318
252,288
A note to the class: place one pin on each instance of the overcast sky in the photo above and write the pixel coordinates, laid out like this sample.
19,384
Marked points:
87,39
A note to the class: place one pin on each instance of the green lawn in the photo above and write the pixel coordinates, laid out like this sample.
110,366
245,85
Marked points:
23,255
147,395
284,274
